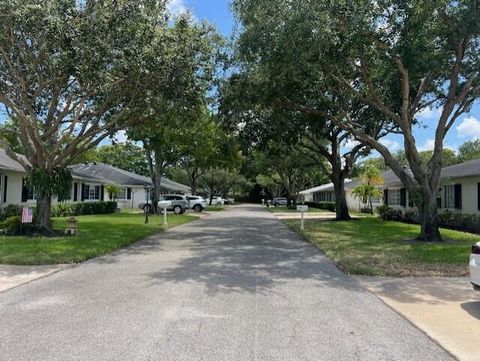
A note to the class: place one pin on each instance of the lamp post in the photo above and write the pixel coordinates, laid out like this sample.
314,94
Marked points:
146,209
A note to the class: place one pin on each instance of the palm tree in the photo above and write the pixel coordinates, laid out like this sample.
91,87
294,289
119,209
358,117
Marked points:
368,189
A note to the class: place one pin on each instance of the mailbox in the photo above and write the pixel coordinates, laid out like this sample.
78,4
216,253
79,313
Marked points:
302,209
163,204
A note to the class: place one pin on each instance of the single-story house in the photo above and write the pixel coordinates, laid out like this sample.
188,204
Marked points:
459,190
89,181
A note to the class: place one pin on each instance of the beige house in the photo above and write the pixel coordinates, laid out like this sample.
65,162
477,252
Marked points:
459,191
89,181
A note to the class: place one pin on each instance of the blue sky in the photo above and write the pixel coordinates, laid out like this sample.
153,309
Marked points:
466,128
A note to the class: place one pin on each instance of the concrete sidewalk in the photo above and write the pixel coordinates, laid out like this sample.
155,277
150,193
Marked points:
446,309
13,276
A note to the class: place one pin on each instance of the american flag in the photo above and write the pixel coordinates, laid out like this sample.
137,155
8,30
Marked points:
27,215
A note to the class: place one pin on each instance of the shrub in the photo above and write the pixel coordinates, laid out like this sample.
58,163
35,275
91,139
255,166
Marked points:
366,210
11,210
329,206
62,210
13,225
84,208
389,214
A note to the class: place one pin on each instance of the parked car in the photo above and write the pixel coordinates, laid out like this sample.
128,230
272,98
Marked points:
218,201
475,266
229,201
279,202
179,203
198,204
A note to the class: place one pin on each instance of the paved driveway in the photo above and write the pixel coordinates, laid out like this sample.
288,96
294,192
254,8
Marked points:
235,286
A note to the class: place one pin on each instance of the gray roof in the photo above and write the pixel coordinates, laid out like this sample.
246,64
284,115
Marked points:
466,169
9,164
111,174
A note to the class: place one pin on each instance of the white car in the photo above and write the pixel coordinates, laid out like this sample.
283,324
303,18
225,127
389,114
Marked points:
475,266
198,204
218,201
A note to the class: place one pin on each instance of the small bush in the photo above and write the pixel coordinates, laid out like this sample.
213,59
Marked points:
389,214
13,226
11,210
329,206
366,210
62,210
84,208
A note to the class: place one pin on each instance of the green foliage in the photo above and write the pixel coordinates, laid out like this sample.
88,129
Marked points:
469,150
11,225
11,210
83,208
387,213
113,191
127,156
58,182
329,206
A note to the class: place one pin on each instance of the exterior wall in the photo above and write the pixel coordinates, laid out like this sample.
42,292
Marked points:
138,196
469,194
14,188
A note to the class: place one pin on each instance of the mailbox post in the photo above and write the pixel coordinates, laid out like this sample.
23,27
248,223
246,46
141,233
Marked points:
164,205
302,209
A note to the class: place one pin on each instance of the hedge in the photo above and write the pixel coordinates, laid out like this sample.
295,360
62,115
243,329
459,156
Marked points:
64,209
446,219
329,206
84,208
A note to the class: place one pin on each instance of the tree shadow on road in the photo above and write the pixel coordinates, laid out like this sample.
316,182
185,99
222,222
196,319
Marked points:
230,254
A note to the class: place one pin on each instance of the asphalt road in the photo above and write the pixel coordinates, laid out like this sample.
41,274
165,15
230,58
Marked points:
238,285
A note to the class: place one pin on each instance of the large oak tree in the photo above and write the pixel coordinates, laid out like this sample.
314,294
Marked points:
71,74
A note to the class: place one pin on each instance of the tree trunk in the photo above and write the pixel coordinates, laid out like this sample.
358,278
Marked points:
428,211
43,214
341,207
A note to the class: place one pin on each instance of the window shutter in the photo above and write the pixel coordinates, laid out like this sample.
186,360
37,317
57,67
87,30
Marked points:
478,196
75,192
84,191
24,191
403,197
385,197
102,193
129,193
458,196
5,184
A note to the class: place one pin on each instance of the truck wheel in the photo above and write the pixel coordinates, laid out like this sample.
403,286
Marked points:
197,208
177,210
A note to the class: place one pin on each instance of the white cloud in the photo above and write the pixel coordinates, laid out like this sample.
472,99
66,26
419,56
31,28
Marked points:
177,7
430,144
430,113
392,145
351,143
469,127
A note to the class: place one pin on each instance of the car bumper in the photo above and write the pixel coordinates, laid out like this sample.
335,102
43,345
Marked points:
475,270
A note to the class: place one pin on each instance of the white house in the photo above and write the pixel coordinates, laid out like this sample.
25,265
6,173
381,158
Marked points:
459,190
89,181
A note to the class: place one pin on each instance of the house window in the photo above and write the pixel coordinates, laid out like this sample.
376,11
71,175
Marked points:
449,196
325,197
394,197
122,194
92,192
376,200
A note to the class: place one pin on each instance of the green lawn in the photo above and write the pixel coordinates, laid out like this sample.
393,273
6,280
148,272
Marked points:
98,235
287,210
369,246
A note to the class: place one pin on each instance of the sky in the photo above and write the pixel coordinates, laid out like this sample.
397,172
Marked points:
466,128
